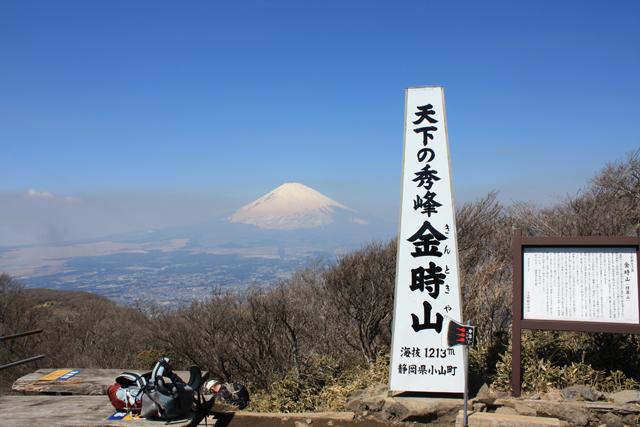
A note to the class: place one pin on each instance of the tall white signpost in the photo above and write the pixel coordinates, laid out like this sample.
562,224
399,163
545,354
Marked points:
427,278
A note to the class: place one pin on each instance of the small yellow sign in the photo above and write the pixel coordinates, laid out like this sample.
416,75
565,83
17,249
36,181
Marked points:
125,416
60,374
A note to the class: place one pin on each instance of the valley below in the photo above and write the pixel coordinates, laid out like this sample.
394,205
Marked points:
290,228
166,277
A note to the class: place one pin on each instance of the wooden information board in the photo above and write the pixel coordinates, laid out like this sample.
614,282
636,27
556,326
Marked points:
581,284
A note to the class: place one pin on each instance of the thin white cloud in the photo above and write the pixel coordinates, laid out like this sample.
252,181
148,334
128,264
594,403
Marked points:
34,193
46,195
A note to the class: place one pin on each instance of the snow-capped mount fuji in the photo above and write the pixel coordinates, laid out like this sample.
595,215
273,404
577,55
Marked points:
292,206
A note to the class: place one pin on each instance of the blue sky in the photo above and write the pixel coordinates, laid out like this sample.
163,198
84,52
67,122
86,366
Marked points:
125,115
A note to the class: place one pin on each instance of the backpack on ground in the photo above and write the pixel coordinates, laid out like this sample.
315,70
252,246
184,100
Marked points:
157,394
234,394
166,395
125,395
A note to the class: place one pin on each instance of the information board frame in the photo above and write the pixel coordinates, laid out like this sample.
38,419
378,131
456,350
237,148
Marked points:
519,322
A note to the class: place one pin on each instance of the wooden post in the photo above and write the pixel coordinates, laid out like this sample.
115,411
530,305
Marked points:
516,324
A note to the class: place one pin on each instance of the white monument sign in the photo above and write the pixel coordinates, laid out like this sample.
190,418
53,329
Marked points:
427,279
580,284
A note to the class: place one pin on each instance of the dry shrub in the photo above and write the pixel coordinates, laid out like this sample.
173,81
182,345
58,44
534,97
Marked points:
550,361
323,386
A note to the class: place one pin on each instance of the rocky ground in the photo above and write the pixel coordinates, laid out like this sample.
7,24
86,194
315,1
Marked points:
572,406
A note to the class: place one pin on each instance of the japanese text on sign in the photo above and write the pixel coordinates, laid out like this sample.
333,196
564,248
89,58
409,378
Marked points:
581,284
427,284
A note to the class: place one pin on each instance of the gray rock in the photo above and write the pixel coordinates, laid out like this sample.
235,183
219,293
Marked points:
630,420
366,404
570,394
483,393
506,410
578,392
357,393
380,389
363,400
626,396
479,407
571,413
500,394
555,396
404,410
535,397
611,420
376,403
372,399
421,410
525,410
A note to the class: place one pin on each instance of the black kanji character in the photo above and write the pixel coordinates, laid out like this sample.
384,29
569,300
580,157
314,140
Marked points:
426,177
417,326
431,280
422,154
428,204
426,244
426,136
425,113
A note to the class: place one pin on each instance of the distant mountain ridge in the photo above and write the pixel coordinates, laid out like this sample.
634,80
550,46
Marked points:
292,206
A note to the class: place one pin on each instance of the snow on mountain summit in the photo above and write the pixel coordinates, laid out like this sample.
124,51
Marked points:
290,206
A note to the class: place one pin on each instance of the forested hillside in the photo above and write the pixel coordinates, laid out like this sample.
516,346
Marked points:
327,324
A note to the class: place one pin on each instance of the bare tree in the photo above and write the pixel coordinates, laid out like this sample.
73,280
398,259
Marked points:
484,247
9,292
608,206
298,306
360,287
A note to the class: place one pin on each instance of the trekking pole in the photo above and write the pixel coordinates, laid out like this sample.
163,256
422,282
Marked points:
31,359
23,334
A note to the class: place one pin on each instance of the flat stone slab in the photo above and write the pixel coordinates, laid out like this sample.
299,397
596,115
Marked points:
54,411
627,396
484,419
86,382
538,405
94,411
